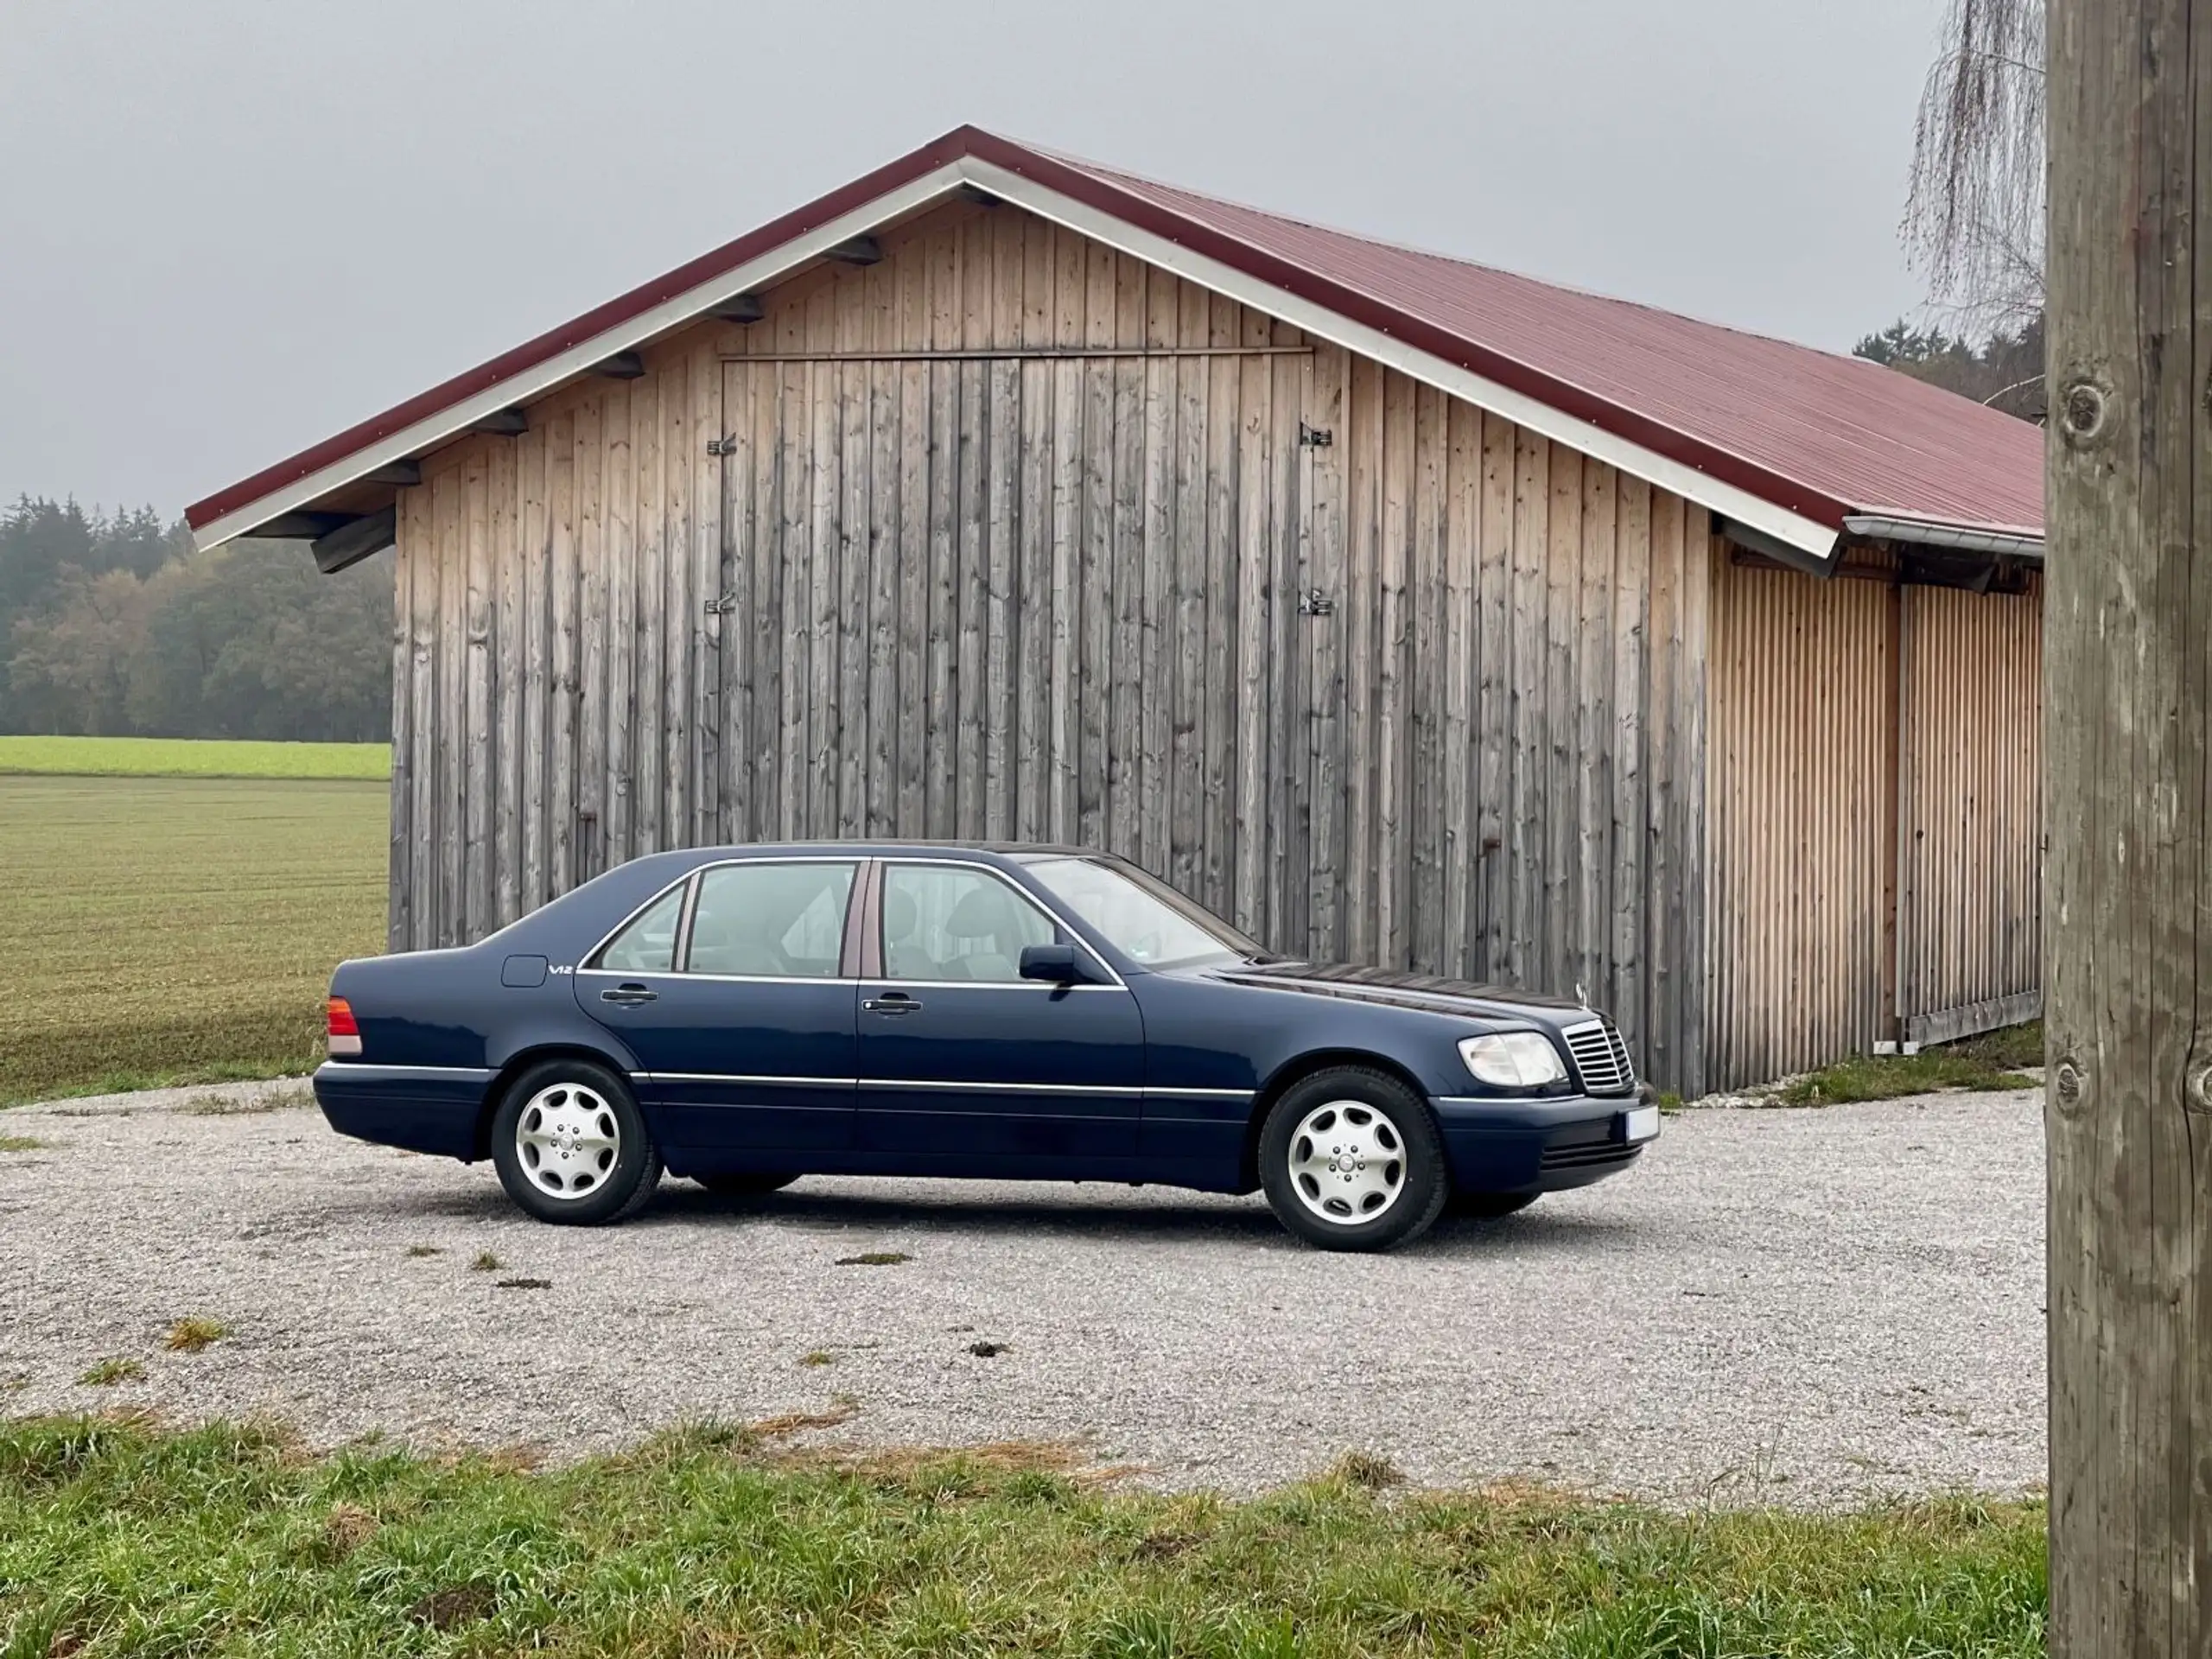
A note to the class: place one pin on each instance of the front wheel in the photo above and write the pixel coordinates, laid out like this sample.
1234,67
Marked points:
571,1147
1349,1159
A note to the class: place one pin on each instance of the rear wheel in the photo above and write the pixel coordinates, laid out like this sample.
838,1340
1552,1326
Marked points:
1349,1161
746,1184
571,1147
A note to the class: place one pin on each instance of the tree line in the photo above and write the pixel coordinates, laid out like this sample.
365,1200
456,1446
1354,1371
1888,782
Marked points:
113,625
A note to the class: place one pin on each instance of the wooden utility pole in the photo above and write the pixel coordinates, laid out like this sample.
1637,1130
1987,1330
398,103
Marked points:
2128,904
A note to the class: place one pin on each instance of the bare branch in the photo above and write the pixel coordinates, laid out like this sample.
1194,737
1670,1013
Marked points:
1974,219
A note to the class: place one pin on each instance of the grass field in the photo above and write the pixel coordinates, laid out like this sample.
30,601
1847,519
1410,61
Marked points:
117,1538
176,757
177,929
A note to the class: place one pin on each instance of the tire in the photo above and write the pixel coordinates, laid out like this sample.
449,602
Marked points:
744,1183
1488,1207
556,1123
1381,1185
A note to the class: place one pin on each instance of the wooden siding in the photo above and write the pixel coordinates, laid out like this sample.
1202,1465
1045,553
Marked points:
1970,887
1803,787
1011,543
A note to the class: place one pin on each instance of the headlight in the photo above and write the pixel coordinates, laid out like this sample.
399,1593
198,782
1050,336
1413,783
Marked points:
1515,1059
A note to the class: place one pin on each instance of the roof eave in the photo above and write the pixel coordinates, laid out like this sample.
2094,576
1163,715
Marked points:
2005,541
1724,483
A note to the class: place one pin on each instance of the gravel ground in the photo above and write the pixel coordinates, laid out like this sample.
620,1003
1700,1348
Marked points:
1795,1307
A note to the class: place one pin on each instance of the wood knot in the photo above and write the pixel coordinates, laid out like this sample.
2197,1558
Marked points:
2082,412
2068,1086
2198,1096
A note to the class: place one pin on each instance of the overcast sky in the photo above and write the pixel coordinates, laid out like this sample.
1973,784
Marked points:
230,227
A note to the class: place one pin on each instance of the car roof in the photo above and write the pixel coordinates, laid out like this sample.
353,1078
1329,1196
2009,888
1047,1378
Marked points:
885,848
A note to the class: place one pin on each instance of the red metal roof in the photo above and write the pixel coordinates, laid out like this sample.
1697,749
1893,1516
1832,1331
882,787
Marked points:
1814,432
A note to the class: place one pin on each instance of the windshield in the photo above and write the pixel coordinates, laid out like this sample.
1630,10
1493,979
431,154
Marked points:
1145,920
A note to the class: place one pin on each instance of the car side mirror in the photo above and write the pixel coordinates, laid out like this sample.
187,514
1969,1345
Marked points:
1053,962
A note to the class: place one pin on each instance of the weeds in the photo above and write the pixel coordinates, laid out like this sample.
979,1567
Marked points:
419,1250
818,1356
20,1143
190,1335
1979,1065
485,1262
106,1373
874,1259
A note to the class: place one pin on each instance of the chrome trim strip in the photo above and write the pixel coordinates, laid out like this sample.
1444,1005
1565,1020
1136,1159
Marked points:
927,1084
740,1077
989,984
1001,1088
471,1073
724,979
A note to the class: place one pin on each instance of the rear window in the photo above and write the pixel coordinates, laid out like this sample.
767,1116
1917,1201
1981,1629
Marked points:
647,945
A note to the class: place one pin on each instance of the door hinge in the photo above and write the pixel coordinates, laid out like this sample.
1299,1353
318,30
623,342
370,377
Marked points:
722,446
1314,602
1315,437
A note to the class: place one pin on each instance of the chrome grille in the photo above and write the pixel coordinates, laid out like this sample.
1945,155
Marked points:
1601,1058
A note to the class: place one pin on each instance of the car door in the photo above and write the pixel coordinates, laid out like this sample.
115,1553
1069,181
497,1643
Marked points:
732,991
961,1061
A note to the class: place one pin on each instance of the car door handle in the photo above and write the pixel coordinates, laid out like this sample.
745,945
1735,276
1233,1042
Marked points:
629,996
897,1002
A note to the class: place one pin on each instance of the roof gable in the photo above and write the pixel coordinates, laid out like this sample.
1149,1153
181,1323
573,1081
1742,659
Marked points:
1787,438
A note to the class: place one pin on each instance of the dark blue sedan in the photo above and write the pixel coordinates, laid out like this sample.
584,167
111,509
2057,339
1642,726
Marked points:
744,1016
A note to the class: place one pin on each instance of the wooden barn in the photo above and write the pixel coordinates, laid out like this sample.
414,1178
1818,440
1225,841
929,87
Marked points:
1403,610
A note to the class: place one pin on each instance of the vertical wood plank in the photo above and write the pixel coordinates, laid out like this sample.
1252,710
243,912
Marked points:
1193,647
1525,805
1429,606
1360,607
1254,564
1494,686
1155,683
1125,567
505,554
1662,934
1393,712
476,780
1631,600
410,528
563,598
713,576
618,465
1326,768
1595,725
644,560
1564,770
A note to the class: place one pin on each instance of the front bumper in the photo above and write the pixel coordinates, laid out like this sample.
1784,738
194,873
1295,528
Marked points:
1509,1145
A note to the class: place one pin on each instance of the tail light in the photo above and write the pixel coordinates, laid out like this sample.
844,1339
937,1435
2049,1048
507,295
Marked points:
345,1034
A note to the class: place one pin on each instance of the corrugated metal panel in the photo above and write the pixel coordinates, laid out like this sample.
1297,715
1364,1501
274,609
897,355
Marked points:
1808,430
1970,887
1801,790
1844,427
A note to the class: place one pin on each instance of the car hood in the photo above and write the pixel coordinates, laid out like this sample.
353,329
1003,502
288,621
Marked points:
1423,993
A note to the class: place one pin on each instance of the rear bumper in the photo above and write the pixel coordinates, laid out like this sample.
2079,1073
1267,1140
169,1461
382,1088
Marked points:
430,1109
1533,1146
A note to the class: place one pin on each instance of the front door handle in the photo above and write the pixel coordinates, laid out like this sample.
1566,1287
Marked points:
629,996
896,1002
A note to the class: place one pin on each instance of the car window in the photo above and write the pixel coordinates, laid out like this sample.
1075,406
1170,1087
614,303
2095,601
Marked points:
781,921
1143,919
941,922
648,945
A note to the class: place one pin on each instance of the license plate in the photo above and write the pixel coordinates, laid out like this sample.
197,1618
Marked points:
1640,1123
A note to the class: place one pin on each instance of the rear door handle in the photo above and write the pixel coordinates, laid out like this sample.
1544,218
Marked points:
897,1002
629,996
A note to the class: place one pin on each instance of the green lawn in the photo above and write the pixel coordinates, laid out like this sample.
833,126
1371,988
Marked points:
178,930
118,1538
179,757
